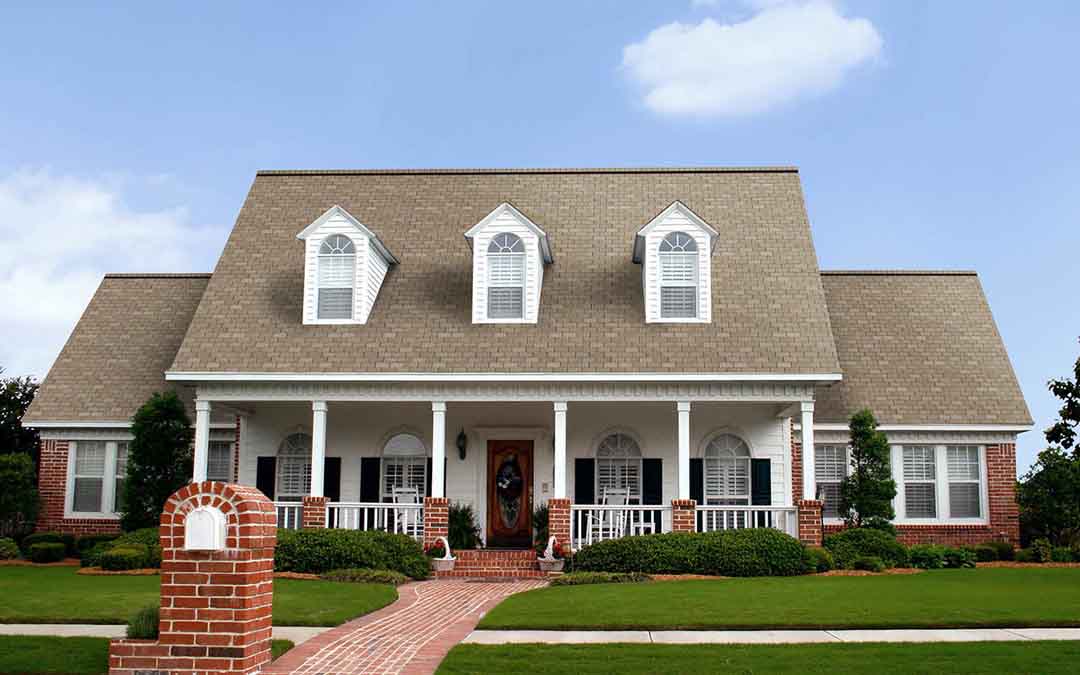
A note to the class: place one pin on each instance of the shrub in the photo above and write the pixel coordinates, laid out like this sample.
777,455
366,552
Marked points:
927,556
1003,549
1061,554
462,531
148,537
365,575
159,459
955,558
128,557
143,625
68,540
734,553
859,542
320,550
1025,555
9,550
584,578
1042,550
540,519
19,500
869,563
88,542
983,553
47,552
821,559
92,556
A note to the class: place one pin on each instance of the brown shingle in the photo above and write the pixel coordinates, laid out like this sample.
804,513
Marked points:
918,348
117,354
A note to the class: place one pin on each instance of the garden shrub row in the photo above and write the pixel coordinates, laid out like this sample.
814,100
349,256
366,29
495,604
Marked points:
9,550
366,575
730,553
320,551
47,551
135,550
585,578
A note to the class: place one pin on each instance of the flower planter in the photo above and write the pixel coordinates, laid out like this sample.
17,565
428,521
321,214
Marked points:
549,565
443,564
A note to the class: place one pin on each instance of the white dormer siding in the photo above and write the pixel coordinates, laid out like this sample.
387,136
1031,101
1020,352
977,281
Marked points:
677,269
508,269
370,259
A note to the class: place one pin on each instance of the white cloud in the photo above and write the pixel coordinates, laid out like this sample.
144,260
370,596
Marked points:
58,236
785,51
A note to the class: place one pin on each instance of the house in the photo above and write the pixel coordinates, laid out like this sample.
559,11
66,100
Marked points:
643,350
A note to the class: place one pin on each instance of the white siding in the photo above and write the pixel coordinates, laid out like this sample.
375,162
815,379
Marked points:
676,221
370,270
534,268
376,272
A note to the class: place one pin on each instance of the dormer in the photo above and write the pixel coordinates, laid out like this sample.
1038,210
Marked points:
344,267
509,254
674,250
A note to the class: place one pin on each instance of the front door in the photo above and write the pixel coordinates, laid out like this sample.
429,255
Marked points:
509,494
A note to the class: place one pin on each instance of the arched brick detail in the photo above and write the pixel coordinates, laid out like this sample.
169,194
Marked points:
216,606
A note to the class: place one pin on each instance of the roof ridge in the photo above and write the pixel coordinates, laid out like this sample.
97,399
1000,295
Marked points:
158,275
537,170
927,273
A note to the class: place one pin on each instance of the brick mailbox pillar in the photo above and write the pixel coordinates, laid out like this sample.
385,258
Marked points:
436,518
217,574
683,515
314,512
810,528
559,521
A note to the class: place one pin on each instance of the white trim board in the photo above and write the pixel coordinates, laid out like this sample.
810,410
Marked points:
1016,428
52,424
237,376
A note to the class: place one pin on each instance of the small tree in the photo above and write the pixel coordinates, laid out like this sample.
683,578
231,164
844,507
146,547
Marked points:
16,393
19,497
866,494
1063,432
159,460
1049,498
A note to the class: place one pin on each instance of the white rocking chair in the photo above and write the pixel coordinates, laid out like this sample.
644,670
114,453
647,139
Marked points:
606,524
406,520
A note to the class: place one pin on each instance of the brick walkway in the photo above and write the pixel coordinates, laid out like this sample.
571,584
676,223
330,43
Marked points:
410,636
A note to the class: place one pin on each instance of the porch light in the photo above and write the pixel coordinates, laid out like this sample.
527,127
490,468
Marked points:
462,444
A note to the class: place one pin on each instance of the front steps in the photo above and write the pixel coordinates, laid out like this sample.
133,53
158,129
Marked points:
494,563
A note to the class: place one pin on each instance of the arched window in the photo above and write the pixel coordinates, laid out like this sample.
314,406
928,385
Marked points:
294,468
404,465
727,470
678,277
337,277
506,277
618,466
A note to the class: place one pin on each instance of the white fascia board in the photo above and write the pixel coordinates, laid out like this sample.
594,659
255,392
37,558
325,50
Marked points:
191,376
839,426
111,424
507,207
639,238
336,210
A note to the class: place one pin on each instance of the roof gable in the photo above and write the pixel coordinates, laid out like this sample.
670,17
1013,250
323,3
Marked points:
676,207
337,211
508,209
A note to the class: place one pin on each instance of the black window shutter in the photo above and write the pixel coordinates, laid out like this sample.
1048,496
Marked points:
652,480
427,486
761,488
584,480
332,479
370,470
266,476
697,480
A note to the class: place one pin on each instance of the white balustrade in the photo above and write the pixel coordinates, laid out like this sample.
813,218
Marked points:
711,518
398,518
590,523
290,515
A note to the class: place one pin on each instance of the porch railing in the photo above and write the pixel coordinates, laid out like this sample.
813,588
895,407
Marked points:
290,515
590,523
398,518
711,518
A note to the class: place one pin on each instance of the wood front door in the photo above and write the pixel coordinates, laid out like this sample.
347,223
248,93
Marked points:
509,493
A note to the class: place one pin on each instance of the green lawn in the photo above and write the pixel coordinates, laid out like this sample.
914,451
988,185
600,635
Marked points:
77,655
943,598
59,595
631,659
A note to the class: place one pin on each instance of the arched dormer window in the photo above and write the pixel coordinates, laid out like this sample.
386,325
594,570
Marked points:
404,466
678,277
337,277
294,468
727,470
618,466
506,277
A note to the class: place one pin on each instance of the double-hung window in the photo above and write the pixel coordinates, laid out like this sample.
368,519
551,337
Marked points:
404,466
727,470
337,277
830,468
940,482
965,475
219,461
89,477
618,467
506,277
920,481
678,277
121,474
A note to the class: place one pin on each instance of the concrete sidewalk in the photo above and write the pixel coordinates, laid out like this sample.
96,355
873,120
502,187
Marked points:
736,637
297,634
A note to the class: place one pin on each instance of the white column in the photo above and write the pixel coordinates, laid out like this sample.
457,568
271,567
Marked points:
808,450
684,449
318,448
202,439
438,448
560,450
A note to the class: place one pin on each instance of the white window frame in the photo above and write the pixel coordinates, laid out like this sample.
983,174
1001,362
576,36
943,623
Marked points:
737,462
304,459
628,468
517,258
818,448
407,462
694,282
217,444
320,257
108,485
941,484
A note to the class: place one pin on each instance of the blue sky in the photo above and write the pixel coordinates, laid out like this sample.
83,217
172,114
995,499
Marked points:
929,134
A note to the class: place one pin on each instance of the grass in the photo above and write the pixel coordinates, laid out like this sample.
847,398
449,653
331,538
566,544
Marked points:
630,659
59,595
942,598
74,655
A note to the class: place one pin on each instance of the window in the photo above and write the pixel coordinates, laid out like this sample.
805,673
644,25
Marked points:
830,467
404,465
506,277
678,277
920,485
618,466
727,470
121,474
89,490
294,468
964,477
337,277
219,461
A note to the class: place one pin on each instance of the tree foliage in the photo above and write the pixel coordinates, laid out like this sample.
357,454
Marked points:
19,501
1063,432
16,393
866,494
1049,498
159,460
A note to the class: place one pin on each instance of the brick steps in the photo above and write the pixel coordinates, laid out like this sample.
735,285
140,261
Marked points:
495,564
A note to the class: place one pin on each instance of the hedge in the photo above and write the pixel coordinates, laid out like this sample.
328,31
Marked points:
47,551
732,553
364,575
88,542
9,550
586,578
859,542
869,563
821,559
68,540
127,557
318,551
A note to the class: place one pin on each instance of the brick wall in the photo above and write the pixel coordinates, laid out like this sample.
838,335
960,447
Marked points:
52,486
559,521
683,515
810,527
436,518
314,512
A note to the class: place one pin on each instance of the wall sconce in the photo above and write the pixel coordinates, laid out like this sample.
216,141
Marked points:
462,444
